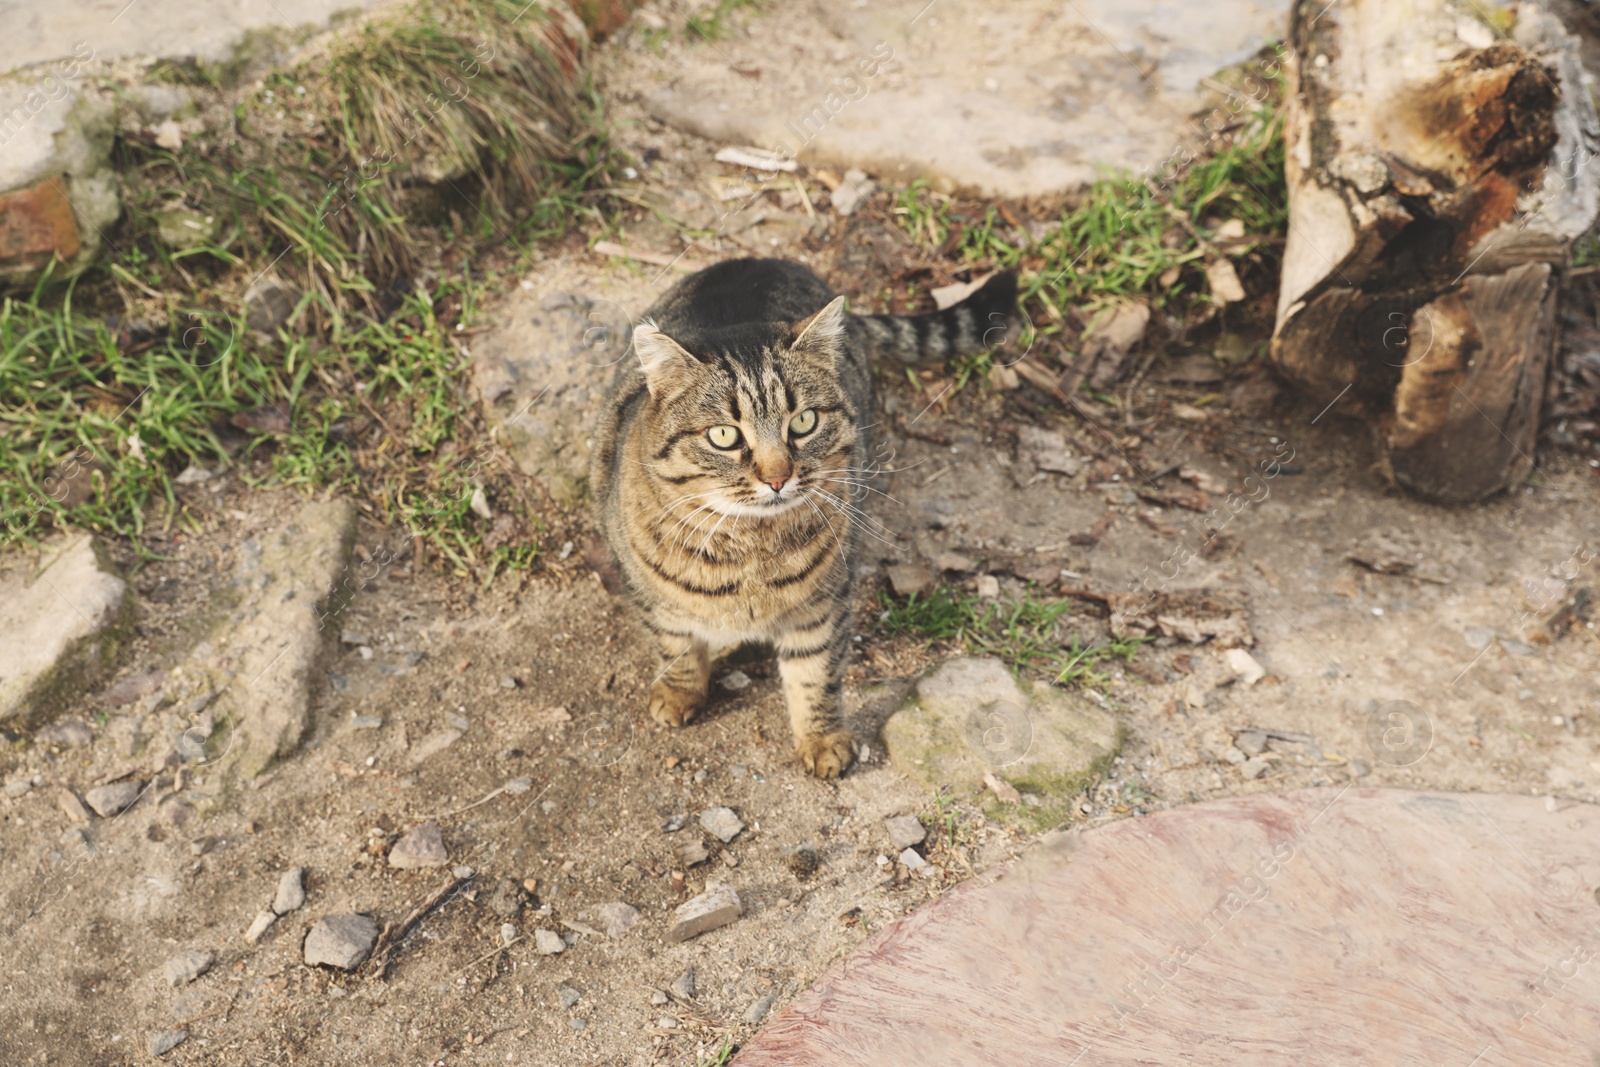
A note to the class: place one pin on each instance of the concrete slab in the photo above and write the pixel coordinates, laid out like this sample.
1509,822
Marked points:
62,621
1321,926
1026,99
166,29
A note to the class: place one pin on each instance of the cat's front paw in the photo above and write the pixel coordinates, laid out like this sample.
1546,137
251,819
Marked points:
671,706
827,755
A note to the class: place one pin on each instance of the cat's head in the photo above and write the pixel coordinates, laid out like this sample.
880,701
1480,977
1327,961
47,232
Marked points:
751,420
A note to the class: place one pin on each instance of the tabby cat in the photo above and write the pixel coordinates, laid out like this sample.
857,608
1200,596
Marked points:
725,468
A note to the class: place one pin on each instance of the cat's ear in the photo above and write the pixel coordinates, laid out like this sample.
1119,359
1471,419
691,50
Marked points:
823,333
667,366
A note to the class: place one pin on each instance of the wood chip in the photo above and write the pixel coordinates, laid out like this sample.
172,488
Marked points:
759,158
679,262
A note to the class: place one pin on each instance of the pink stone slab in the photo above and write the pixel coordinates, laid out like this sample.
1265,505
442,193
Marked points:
1324,927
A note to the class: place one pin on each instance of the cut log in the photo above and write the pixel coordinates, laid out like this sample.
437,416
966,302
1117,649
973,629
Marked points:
1439,164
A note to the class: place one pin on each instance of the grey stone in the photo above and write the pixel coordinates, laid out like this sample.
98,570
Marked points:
164,1042
1086,88
548,943
758,1011
683,986
905,831
913,859
68,733
721,823
508,934
658,998
291,895
970,717
342,941
1251,742
292,579
577,1024
185,967
1253,768
734,681
710,910
18,786
422,847
568,996
541,372
114,799
62,624
616,918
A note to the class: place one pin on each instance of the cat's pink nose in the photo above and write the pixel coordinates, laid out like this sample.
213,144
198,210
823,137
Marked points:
777,483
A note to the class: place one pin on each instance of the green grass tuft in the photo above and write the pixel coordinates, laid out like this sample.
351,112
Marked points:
1125,233
1028,634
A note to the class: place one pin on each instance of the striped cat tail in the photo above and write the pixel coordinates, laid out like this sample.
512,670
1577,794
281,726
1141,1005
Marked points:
978,323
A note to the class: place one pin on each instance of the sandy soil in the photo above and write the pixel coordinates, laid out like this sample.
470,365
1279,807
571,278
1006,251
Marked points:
83,936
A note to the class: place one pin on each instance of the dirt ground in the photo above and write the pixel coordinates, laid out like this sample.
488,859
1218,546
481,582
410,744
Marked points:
546,679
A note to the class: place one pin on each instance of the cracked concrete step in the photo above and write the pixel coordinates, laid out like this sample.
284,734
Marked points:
63,620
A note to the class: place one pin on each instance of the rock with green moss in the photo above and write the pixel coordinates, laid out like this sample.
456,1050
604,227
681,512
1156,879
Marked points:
64,620
970,717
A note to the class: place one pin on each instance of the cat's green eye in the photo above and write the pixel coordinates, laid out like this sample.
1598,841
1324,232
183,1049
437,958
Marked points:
723,436
803,423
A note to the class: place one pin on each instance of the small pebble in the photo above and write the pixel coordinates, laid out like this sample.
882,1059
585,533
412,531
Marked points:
508,934
1253,768
912,860
568,996
291,891
422,847
507,682
185,967
164,1042
683,985
365,722
905,831
721,823
548,943
1251,742
577,1024
114,799
758,1011
658,998
518,786
342,941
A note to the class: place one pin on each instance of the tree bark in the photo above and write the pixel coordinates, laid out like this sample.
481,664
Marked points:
1439,169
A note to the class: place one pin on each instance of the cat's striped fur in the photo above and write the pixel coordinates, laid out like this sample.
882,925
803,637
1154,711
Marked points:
755,539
